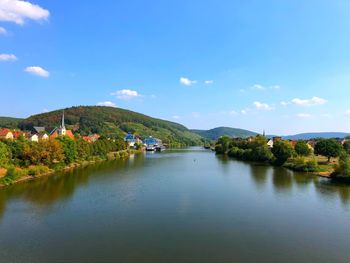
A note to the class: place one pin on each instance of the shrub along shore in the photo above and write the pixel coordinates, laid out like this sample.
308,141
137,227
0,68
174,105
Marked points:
329,158
22,160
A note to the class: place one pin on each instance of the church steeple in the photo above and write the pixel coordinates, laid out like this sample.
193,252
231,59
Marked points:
62,129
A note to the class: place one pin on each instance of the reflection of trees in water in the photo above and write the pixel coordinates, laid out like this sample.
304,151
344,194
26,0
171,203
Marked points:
260,174
330,189
48,190
282,179
2,203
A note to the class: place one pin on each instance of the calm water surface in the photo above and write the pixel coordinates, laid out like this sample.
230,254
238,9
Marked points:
176,206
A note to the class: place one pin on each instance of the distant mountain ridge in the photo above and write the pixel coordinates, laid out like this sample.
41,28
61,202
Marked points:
314,135
216,133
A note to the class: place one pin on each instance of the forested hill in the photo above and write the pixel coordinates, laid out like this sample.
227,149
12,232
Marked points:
113,122
216,133
9,122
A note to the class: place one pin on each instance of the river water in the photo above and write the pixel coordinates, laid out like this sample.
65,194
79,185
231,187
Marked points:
176,206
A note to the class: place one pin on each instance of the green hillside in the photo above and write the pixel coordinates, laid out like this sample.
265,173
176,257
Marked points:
216,133
9,122
114,123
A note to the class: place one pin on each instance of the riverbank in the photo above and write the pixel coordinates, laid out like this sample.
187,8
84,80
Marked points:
20,175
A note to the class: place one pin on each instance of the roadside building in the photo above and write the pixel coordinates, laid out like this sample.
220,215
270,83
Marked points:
6,134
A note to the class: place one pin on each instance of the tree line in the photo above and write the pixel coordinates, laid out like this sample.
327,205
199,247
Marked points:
22,157
301,157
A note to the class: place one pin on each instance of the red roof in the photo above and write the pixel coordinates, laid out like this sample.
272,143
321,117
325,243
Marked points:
54,135
4,131
70,134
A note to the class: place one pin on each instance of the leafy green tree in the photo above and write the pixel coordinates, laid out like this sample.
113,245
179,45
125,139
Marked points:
83,149
346,146
261,154
222,145
328,147
343,168
5,154
302,149
282,150
69,149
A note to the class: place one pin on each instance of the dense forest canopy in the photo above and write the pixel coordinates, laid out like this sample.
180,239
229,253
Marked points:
216,133
9,122
114,123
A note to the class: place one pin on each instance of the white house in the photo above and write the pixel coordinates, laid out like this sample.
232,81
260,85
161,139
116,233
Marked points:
34,138
270,143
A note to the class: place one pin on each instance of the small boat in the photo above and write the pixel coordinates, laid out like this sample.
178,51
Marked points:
150,148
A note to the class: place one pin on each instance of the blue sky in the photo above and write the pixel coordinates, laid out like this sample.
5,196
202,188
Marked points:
282,66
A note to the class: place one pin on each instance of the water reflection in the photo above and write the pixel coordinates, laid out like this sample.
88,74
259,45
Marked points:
260,174
283,181
48,190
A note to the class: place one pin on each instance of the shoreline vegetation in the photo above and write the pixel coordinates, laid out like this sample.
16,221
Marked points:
22,160
328,158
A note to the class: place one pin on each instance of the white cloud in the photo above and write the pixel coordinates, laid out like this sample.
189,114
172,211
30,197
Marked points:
18,11
187,81
106,104
275,87
126,94
7,57
262,106
347,112
284,103
3,31
314,101
258,87
244,112
209,82
39,71
233,113
304,115
176,117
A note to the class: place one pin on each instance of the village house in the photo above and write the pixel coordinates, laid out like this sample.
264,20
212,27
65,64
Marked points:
130,139
6,134
270,143
91,138
34,138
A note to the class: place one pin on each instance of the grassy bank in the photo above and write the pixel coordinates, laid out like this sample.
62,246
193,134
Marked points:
13,175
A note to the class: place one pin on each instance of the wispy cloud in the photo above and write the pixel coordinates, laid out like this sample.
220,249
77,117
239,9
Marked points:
208,82
187,82
39,71
106,104
258,87
176,117
347,112
262,106
3,31
126,94
18,12
8,57
314,101
304,115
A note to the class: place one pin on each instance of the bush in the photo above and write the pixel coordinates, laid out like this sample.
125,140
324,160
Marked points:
343,168
37,170
299,164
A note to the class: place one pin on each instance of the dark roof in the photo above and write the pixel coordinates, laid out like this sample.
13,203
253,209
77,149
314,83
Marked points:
39,129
